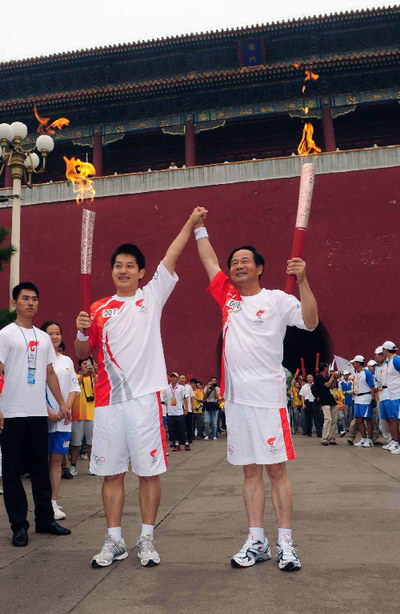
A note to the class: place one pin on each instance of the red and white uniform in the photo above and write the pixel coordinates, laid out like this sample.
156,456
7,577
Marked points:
125,332
253,380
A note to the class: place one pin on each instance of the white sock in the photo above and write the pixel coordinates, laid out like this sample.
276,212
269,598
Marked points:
147,529
284,535
53,502
256,534
115,533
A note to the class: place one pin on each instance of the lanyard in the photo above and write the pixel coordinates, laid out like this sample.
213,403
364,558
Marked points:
31,350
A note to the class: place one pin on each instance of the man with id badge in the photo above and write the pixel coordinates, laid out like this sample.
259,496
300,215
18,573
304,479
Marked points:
26,357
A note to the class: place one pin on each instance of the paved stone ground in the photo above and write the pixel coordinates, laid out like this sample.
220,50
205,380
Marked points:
347,512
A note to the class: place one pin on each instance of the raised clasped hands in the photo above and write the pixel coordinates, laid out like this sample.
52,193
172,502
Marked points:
198,216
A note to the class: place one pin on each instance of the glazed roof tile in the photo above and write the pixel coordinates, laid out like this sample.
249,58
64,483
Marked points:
233,76
170,41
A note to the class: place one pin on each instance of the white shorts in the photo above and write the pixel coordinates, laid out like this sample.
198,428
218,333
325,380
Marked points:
130,431
79,429
257,435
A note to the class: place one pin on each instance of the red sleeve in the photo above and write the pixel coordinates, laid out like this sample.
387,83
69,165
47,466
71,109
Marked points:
219,287
94,329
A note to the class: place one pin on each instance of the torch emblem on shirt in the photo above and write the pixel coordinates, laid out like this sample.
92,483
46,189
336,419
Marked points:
259,316
33,345
142,308
153,456
271,444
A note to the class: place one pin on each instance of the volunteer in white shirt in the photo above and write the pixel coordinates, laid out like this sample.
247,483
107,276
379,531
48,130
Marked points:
27,357
177,403
124,331
59,430
254,326
189,416
312,411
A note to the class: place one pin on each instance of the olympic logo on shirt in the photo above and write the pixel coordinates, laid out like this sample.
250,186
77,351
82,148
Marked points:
259,318
153,455
32,345
139,304
99,460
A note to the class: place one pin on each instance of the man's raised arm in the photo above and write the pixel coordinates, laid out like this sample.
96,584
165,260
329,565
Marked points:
206,252
178,245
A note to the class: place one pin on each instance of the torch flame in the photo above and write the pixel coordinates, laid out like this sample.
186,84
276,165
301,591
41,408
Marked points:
44,128
307,145
308,74
78,173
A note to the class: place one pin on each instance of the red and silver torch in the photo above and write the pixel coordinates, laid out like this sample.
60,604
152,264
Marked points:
303,214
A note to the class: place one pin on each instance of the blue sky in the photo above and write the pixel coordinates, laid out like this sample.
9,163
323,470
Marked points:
64,26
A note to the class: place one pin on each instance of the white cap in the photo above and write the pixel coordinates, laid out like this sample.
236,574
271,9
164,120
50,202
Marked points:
389,345
358,358
378,350
371,363
346,372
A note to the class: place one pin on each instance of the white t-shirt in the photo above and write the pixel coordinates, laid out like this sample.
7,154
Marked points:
125,332
189,394
20,399
305,391
65,371
381,377
174,396
253,331
363,382
393,377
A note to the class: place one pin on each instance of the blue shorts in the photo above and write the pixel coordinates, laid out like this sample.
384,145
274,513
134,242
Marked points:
387,410
362,411
396,409
59,442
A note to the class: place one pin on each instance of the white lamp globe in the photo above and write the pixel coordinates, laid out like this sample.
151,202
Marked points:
45,143
6,132
20,130
32,161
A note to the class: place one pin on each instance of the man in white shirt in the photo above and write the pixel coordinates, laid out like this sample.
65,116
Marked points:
27,357
254,326
124,331
189,394
177,402
312,411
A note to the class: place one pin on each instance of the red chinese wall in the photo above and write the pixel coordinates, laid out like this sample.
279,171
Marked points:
352,253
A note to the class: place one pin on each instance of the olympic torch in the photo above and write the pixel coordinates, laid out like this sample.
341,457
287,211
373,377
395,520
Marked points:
78,173
303,214
88,218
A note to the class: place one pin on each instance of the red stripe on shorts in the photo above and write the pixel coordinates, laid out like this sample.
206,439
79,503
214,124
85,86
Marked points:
287,437
162,428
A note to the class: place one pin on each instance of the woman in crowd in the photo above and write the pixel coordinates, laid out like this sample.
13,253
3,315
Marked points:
59,430
83,412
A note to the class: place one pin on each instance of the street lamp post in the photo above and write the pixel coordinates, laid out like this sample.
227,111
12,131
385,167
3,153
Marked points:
22,164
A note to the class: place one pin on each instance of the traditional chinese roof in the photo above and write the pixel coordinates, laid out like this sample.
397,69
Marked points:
233,77
335,20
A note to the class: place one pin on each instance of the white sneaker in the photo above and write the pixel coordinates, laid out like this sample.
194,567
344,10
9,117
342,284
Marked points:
368,443
215,438
147,553
395,449
286,556
111,551
58,513
388,445
73,470
360,443
252,552
394,445
205,438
